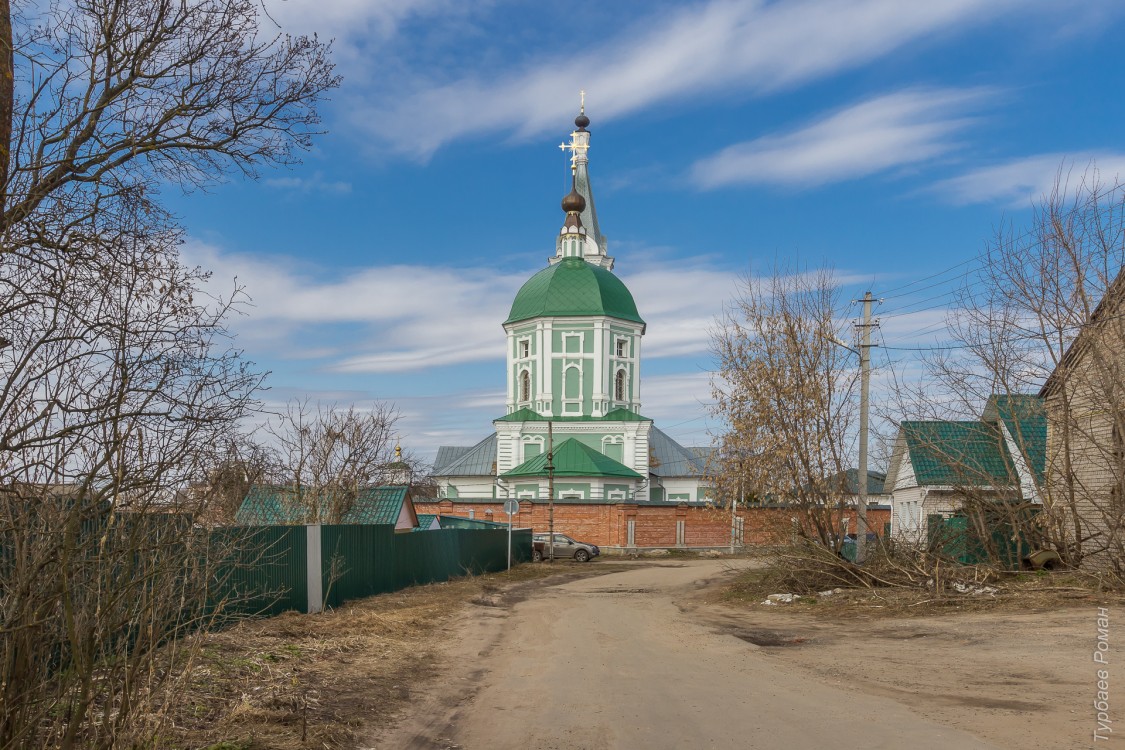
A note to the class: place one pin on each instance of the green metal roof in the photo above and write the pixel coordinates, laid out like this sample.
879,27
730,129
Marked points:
573,288
1025,416
426,520
947,453
267,506
616,415
573,459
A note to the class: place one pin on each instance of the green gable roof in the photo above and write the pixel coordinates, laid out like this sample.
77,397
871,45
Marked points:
616,415
1025,418
269,506
573,459
573,288
951,453
426,520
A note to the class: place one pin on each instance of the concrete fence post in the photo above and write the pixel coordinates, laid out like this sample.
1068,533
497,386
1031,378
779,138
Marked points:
314,580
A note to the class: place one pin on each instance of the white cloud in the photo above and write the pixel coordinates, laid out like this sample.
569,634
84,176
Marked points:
906,127
315,183
1018,181
679,301
414,318
353,18
697,53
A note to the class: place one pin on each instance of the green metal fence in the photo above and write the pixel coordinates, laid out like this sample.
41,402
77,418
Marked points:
996,538
266,572
269,567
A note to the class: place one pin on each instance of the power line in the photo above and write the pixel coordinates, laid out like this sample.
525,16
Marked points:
888,294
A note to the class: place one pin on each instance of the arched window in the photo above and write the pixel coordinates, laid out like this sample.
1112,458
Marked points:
525,385
572,383
619,386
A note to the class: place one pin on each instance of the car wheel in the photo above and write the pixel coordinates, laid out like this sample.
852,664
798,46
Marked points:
582,556
536,556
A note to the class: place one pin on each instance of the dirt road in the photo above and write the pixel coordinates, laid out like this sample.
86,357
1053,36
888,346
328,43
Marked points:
619,661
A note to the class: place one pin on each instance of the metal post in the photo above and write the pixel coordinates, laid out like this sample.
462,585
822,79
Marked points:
550,492
507,497
734,512
864,406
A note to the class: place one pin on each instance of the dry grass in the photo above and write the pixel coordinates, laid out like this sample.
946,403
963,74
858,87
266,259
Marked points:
317,681
1038,591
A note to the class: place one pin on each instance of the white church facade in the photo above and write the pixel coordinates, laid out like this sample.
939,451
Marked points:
573,370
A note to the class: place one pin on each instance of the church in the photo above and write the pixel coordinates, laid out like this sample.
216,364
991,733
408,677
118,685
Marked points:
573,371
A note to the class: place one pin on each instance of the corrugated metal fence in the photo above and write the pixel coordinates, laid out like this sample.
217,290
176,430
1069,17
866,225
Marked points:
269,573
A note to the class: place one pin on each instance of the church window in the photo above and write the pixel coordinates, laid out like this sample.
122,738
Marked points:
619,386
572,383
525,349
622,348
614,447
525,385
532,447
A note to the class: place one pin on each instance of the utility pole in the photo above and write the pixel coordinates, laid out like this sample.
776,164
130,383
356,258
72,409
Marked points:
864,408
550,492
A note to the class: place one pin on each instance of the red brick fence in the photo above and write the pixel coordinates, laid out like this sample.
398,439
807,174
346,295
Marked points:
664,525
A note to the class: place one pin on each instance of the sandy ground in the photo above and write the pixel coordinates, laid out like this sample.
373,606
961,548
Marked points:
640,659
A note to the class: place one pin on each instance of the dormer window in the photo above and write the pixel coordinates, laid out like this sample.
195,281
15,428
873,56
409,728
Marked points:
622,348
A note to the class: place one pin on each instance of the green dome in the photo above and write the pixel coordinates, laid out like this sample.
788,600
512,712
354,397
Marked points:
573,288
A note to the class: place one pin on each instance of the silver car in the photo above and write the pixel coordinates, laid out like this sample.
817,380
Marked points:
565,547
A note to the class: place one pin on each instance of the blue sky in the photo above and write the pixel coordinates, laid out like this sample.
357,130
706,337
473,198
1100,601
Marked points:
886,138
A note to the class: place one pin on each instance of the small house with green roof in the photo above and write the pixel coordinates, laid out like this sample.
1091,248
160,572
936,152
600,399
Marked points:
573,379
283,506
937,466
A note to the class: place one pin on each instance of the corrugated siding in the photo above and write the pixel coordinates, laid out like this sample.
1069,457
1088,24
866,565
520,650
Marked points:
357,561
267,572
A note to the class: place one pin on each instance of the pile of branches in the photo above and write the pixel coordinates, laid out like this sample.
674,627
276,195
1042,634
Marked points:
805,567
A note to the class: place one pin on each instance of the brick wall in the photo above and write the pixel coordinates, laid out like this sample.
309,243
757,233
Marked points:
654,526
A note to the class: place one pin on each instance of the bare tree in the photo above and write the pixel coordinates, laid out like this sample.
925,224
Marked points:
788,395
1044,315
117,377
327,456
233,471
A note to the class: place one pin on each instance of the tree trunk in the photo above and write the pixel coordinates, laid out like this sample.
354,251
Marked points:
7,101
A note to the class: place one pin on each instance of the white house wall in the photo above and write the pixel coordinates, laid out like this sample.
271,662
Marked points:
1028,489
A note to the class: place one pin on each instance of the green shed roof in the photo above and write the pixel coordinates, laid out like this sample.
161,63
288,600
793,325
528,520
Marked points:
266,506
573,288
573,459
947,453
